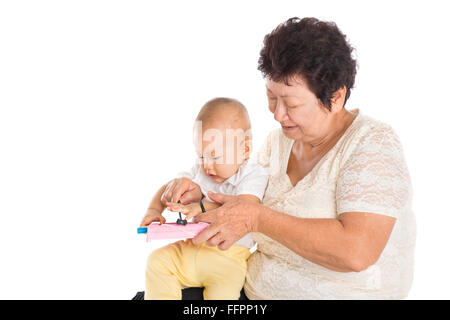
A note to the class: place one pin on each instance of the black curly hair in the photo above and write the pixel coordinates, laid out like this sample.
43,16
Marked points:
315,50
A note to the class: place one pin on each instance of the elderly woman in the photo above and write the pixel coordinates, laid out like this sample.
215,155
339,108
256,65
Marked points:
336,219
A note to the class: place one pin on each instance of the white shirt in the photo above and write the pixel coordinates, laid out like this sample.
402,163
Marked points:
364,172
251,178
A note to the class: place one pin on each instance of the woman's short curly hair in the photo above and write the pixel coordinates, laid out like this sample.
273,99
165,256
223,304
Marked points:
315,50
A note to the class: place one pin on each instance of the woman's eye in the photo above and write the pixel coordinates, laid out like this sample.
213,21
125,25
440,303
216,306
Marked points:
272,102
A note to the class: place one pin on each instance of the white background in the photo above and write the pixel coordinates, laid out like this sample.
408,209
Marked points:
97,102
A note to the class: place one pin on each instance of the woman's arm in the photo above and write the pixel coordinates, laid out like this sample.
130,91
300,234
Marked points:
352,242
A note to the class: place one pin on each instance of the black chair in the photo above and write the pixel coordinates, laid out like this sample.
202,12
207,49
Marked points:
188,294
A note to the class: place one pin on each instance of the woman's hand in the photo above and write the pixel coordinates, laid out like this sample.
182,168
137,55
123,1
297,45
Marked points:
229,223
152,215
189,210
182,189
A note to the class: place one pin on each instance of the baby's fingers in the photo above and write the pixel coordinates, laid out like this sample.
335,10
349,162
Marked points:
191,215
177,207
146,220
149,218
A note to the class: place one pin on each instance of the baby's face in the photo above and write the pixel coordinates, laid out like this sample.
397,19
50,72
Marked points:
221,151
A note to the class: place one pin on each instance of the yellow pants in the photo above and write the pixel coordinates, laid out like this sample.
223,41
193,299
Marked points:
182,264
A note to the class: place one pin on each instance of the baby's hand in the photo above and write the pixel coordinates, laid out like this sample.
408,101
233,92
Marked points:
152,215
190,210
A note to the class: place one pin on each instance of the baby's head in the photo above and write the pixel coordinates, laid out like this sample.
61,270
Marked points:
222,137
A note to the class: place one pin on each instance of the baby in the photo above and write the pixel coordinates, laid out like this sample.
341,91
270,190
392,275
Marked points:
223,167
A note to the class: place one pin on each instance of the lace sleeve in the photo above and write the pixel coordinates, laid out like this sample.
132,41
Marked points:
374,178
263,154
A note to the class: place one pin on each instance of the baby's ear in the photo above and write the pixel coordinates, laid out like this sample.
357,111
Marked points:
248,147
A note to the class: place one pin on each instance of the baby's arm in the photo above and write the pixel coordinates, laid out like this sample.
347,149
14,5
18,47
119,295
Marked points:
210,205
249,197
155,209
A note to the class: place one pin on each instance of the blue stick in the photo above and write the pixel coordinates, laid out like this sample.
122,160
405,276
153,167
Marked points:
142,230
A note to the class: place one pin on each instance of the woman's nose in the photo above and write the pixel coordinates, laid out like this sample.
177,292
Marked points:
280,113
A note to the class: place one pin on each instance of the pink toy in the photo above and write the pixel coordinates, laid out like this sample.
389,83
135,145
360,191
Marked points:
158,231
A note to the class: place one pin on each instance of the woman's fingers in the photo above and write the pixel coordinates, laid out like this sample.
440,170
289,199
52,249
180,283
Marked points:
215,240
205,235
220,197
225,245
208,217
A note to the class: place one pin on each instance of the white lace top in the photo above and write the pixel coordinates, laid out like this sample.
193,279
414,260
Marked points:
364,172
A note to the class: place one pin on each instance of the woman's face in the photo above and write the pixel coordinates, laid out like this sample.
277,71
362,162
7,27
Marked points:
298,110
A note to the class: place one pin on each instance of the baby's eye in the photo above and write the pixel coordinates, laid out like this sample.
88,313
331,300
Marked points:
199,159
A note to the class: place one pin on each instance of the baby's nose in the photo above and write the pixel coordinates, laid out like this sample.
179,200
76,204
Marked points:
208,164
